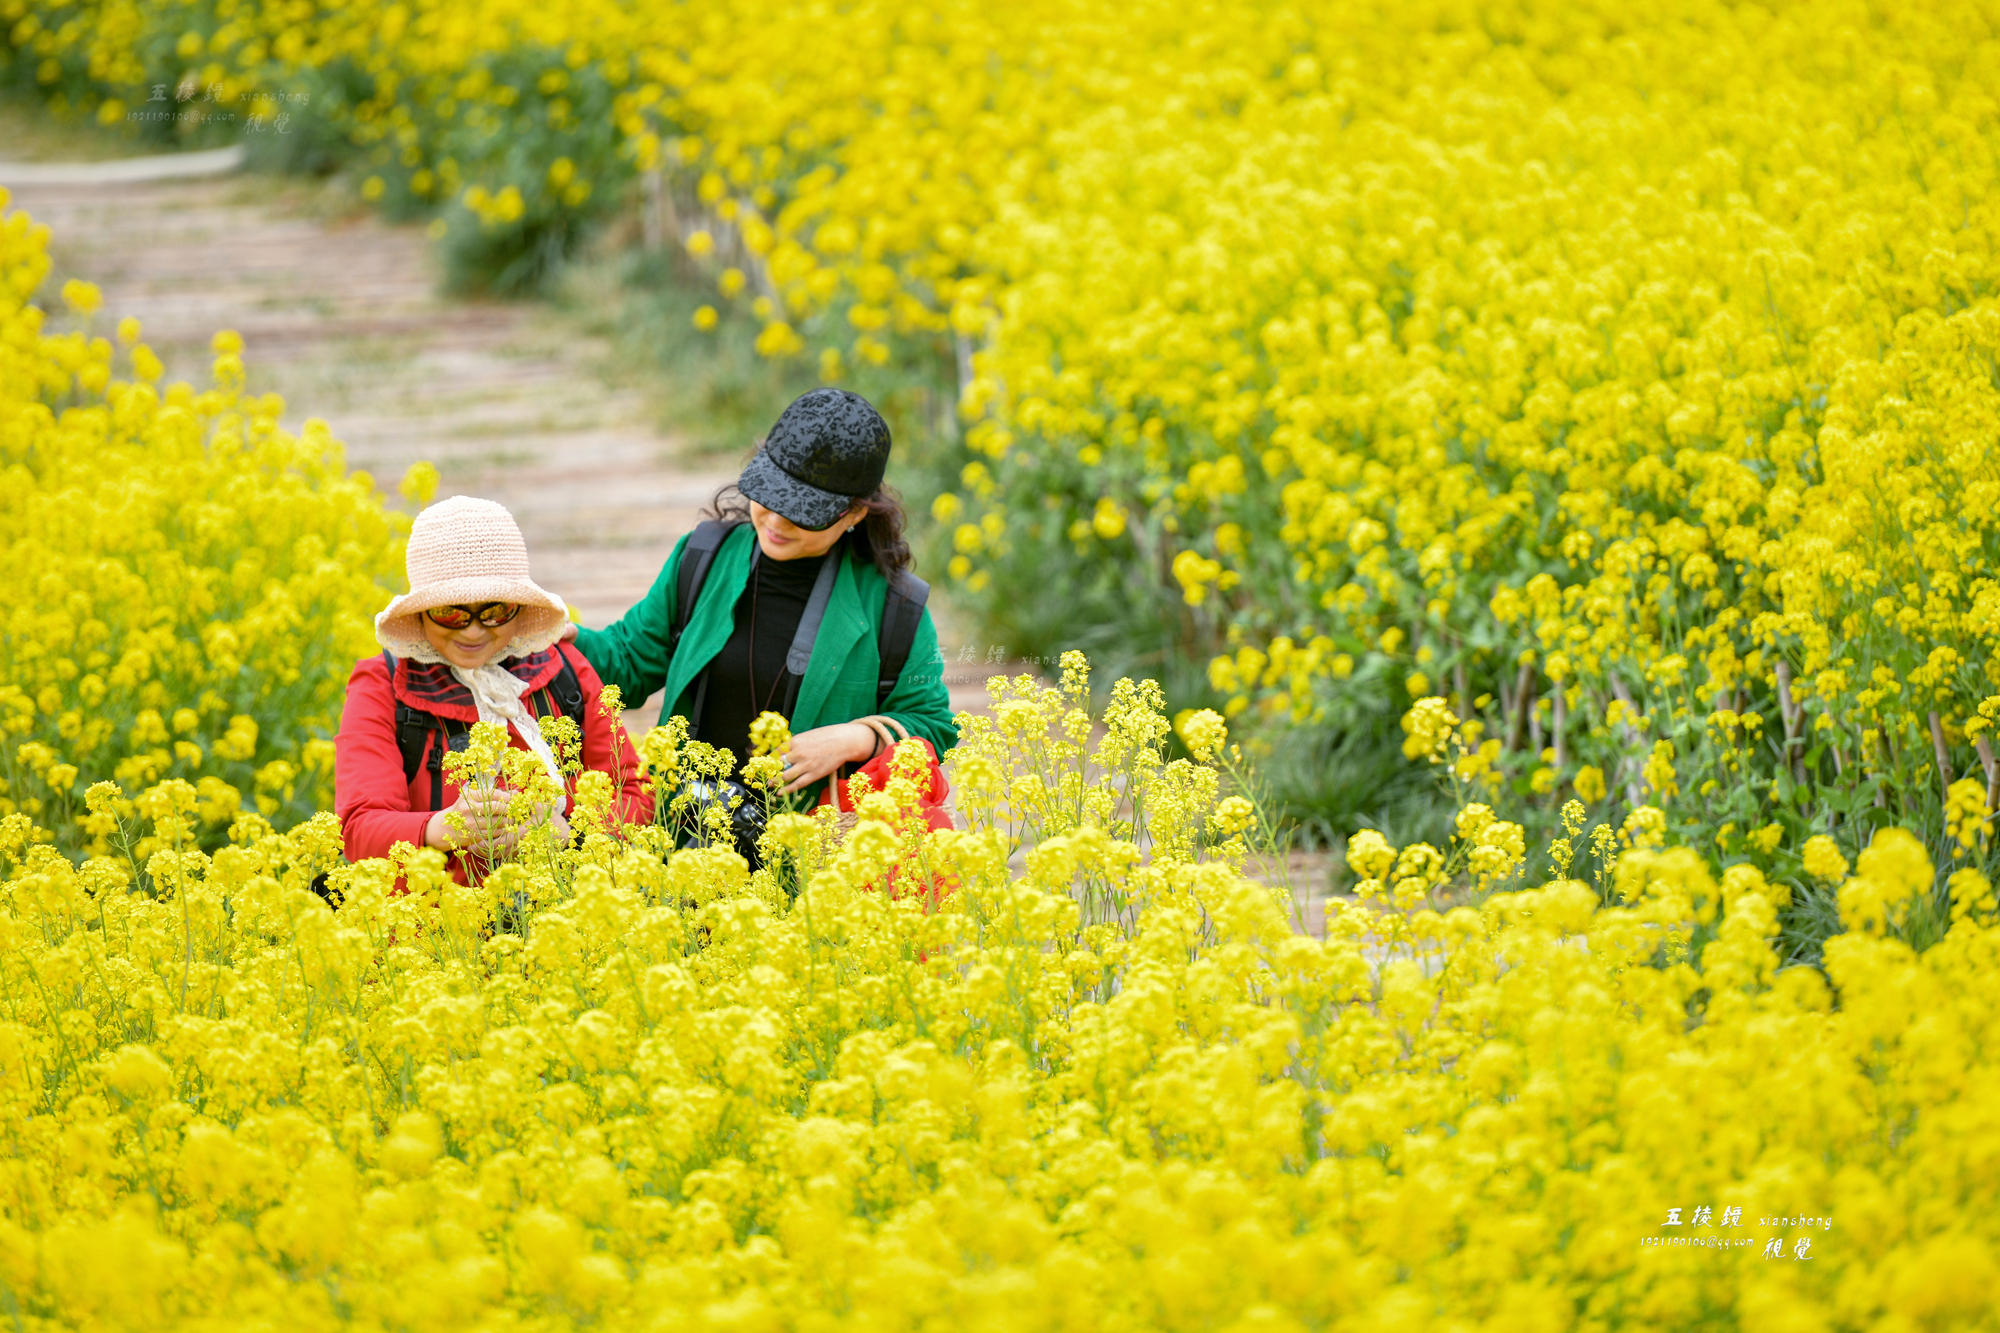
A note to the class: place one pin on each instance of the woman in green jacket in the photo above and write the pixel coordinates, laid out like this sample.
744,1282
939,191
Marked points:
793,578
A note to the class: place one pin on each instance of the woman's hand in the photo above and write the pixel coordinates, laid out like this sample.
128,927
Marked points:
485,824
816,753
488,831
870,736
569,633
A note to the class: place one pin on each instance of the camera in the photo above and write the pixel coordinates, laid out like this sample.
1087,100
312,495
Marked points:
747,816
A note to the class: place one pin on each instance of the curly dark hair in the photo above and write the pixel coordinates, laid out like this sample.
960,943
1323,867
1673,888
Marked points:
877,538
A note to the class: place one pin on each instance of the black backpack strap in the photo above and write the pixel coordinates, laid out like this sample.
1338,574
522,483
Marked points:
696,557
562,696
902,612
566,692
414,727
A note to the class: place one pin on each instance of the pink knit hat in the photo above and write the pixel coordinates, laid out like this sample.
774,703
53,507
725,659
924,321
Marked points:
465,552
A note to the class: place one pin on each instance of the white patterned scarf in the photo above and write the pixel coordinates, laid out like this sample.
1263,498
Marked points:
497,693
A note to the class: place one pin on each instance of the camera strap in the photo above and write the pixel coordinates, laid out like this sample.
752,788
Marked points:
799,656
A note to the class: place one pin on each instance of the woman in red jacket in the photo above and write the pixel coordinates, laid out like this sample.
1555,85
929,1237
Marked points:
474,640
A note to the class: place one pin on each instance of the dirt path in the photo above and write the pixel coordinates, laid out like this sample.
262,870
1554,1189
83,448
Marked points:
340,313
342,317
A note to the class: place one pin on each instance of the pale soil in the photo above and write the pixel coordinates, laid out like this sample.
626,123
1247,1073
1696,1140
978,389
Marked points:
340,313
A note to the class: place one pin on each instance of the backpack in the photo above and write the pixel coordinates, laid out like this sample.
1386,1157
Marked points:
902,611
415,725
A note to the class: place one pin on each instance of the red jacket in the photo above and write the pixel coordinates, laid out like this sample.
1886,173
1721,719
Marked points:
378,809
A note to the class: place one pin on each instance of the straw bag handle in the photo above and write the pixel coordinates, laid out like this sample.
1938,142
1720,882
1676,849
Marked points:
879,723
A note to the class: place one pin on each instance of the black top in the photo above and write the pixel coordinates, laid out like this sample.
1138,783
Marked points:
778,589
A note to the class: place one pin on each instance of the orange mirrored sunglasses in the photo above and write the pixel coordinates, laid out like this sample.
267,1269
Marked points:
492,615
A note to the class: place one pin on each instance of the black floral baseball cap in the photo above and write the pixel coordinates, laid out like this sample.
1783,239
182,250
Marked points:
827,450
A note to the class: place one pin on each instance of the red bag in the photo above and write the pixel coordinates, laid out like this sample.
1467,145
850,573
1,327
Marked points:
930,800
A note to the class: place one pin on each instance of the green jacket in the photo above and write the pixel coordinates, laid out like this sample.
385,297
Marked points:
839,683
